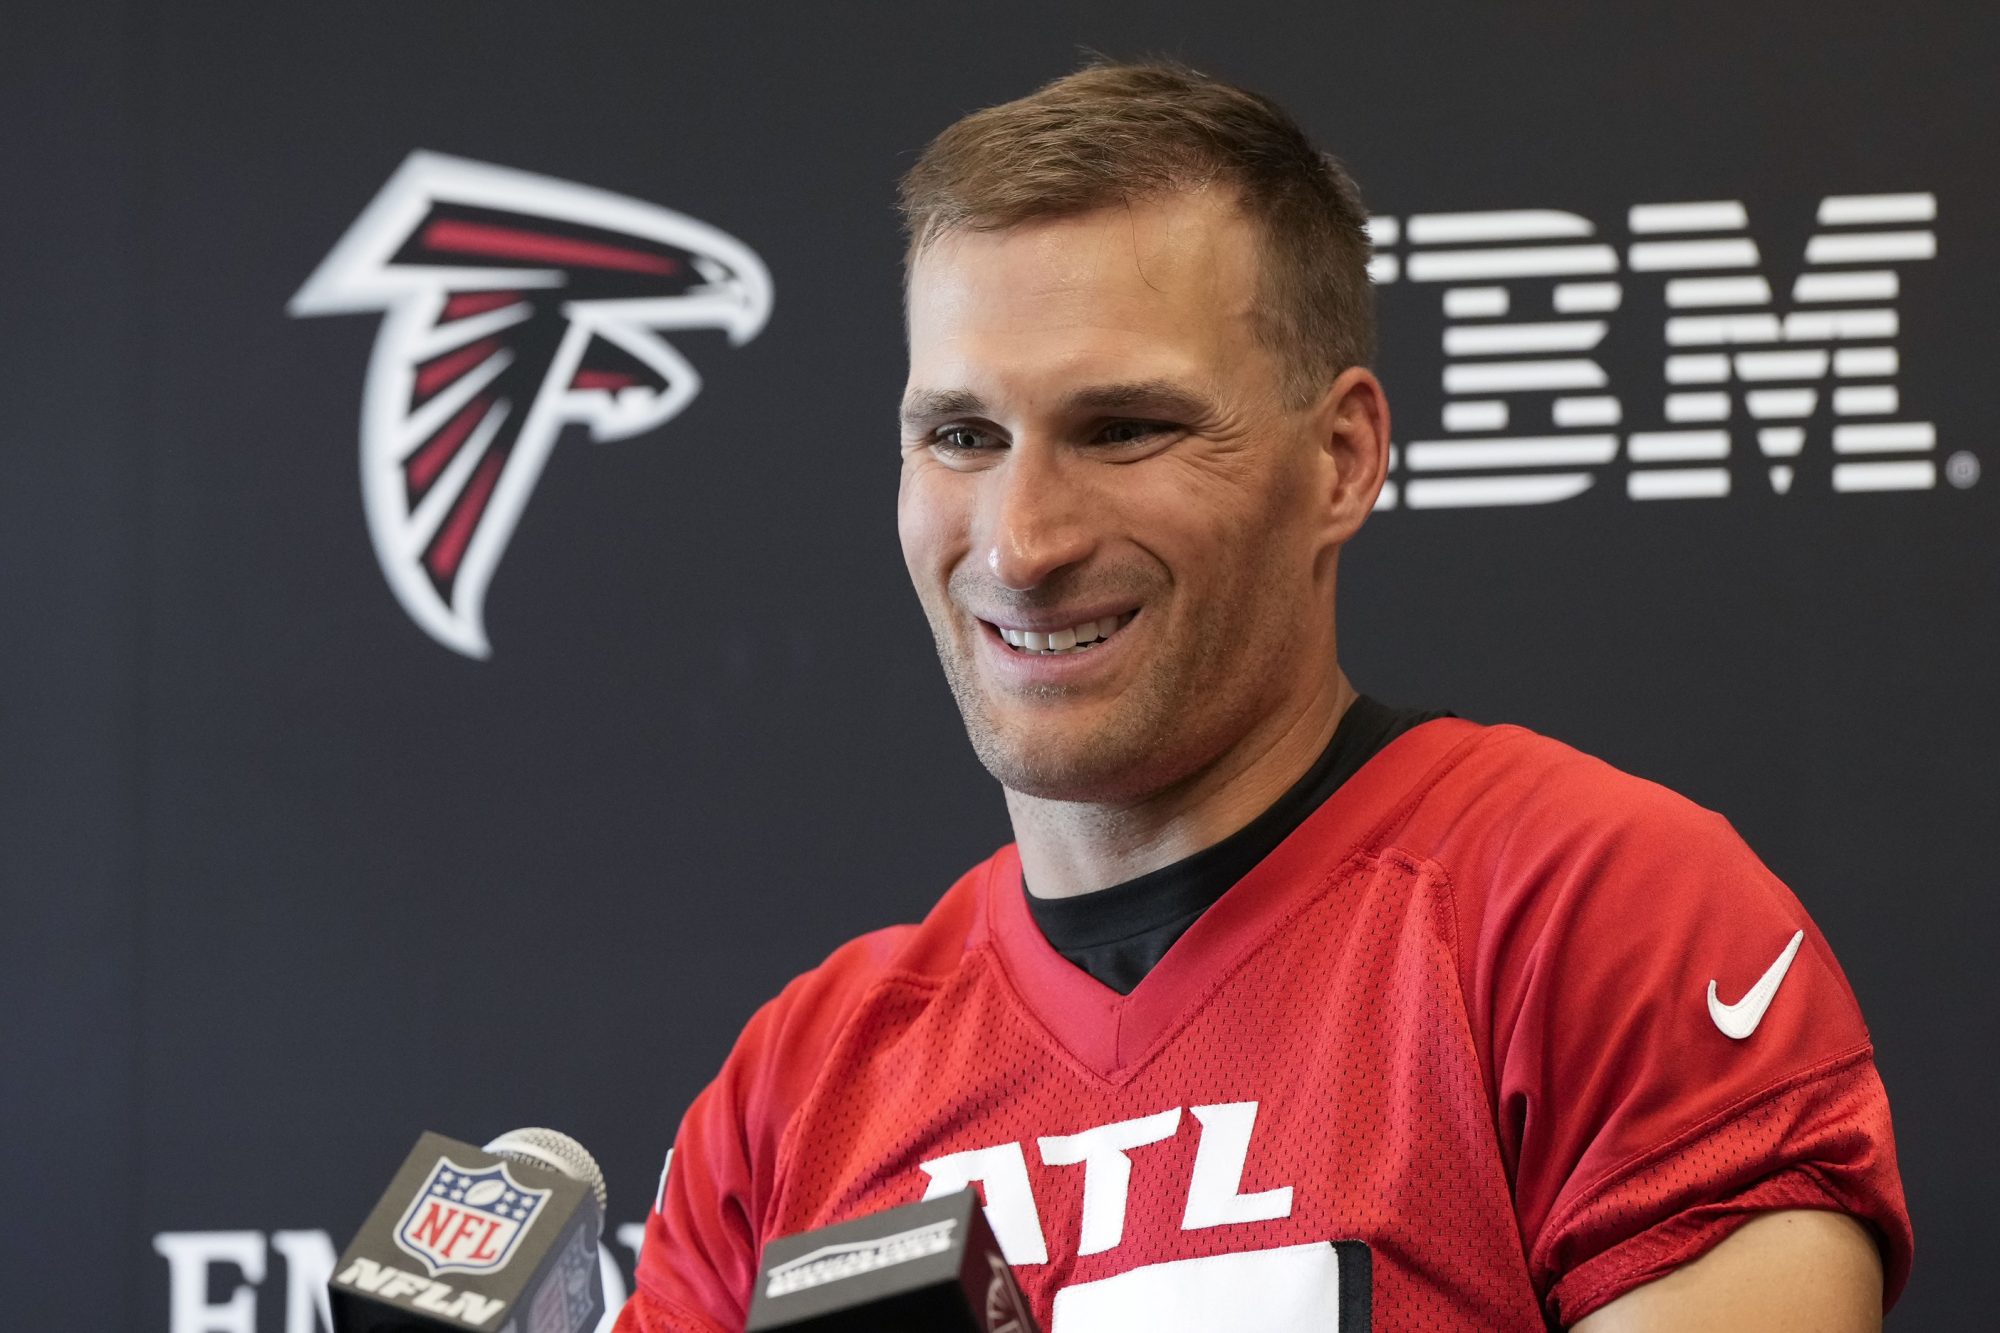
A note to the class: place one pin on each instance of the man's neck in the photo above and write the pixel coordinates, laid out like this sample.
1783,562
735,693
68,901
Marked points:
1069,848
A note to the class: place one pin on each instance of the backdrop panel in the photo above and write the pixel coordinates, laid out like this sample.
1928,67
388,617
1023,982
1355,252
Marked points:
291,876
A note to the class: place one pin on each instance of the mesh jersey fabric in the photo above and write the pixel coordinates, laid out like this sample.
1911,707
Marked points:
1459,1014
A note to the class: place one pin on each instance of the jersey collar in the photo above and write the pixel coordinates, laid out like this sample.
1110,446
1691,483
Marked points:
1114,1035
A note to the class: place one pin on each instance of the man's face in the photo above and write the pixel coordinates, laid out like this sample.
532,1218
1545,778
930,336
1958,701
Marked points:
1117,528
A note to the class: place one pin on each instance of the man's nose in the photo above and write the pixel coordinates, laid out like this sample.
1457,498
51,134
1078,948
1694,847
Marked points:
1037,518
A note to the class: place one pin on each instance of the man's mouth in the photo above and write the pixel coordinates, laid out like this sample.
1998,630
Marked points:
1077,638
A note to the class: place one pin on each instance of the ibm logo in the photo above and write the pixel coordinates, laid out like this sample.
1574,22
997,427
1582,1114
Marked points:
1529,297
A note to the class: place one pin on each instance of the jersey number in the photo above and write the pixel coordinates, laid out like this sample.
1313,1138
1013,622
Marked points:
1287,1290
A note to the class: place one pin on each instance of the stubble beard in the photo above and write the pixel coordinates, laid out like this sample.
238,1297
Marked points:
1194,698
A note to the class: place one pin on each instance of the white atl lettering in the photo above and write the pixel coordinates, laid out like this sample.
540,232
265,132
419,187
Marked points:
1214,1193
1107,1171
1010,1202
1215,1183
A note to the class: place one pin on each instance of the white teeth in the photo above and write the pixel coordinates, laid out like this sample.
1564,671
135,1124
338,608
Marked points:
1069,640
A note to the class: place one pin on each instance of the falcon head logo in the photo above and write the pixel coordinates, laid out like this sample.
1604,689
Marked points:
512,305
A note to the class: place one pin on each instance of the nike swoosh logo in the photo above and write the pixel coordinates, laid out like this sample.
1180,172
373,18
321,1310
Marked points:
1739,1020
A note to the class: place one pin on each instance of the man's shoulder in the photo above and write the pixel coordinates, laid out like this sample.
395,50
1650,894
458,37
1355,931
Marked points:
1513,816
912,955
1510,782
1537,839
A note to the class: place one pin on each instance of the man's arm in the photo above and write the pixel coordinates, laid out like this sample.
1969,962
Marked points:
1606,927
1804,1269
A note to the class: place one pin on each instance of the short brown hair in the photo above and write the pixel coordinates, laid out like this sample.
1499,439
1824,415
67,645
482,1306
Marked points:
1113,133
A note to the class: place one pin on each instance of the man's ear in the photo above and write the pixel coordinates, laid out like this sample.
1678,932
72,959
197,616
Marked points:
1351,423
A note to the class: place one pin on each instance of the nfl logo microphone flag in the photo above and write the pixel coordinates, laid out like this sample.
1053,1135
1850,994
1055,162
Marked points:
463,1239
468,1221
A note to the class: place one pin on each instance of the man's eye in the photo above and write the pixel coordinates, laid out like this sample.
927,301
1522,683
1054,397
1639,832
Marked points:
1132,432
963,439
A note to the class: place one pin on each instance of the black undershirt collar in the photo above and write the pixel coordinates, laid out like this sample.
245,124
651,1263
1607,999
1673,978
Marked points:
1118,934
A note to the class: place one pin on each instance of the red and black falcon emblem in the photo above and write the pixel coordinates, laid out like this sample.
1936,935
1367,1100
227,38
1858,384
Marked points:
513,305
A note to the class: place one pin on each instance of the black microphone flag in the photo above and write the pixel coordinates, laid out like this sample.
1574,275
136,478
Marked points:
930,1267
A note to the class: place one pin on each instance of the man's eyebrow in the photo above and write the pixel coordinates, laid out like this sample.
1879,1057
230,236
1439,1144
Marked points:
1165,398
927,405
1160,397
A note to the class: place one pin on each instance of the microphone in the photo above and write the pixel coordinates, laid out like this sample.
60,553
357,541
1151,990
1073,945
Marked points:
500,1239
930,1267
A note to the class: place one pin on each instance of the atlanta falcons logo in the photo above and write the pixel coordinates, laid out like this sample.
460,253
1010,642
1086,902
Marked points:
513,305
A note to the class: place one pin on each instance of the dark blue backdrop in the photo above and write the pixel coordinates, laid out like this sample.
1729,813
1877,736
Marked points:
287,881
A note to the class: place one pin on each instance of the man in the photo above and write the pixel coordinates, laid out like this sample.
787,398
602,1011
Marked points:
1284,1004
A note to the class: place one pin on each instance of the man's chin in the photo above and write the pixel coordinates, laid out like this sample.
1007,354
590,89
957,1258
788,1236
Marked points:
1063,767
1056,744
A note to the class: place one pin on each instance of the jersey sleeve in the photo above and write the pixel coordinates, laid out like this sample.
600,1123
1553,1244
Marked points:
706,1230
1670,1045
700,1252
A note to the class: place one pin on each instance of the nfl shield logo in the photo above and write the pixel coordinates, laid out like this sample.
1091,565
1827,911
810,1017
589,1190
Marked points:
468,1221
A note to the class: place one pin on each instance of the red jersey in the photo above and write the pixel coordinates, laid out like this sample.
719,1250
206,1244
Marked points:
1529,1029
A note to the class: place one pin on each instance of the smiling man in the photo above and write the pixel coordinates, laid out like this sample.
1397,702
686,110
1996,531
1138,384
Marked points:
1286,1010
